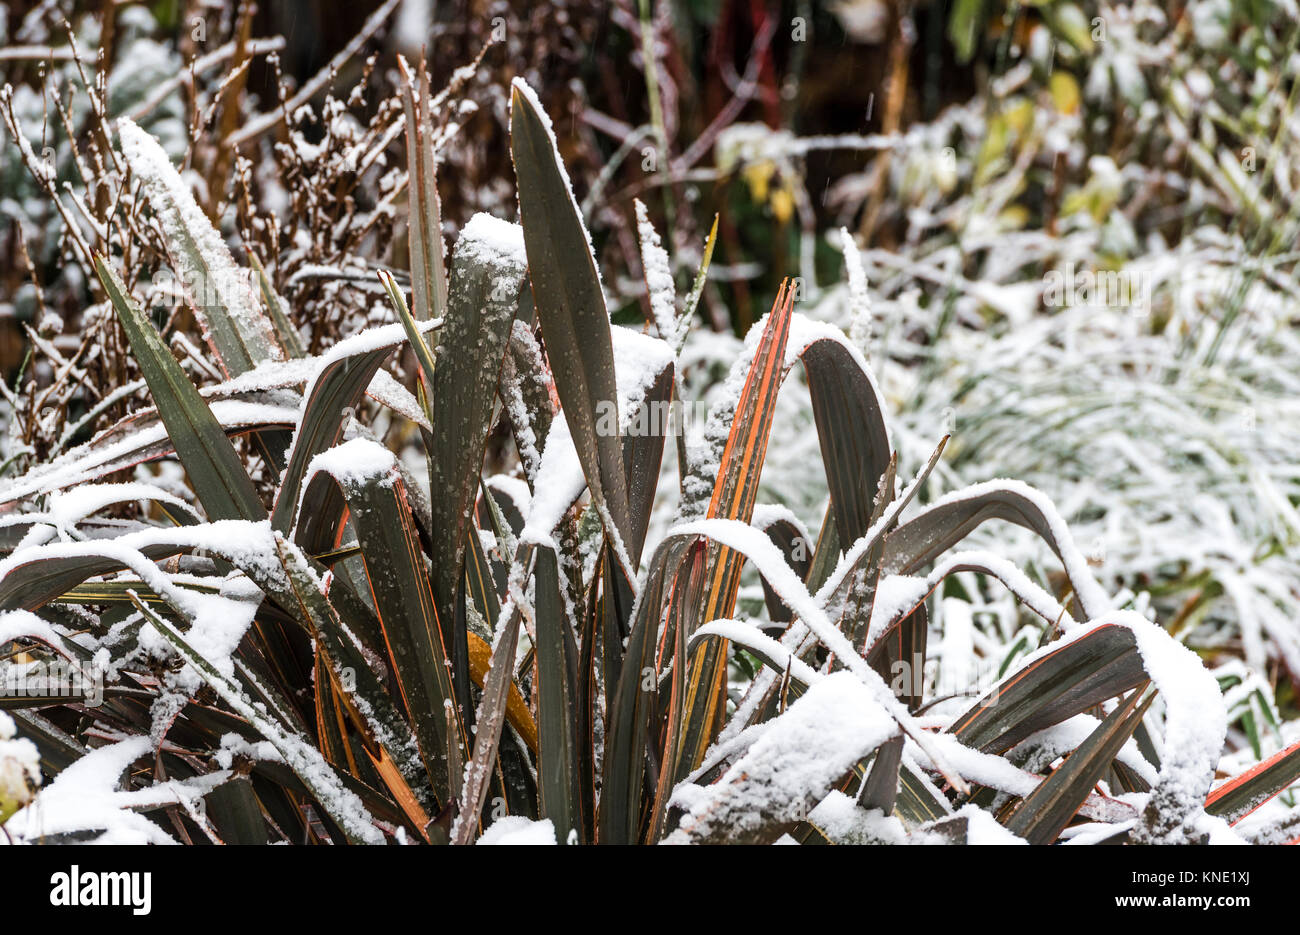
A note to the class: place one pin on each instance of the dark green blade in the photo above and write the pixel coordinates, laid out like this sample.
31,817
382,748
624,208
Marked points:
219,480
1100,665
1238,797
570,305
1040,818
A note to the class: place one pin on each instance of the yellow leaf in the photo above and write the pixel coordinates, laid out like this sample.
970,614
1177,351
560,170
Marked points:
1065,92
782,205
517,713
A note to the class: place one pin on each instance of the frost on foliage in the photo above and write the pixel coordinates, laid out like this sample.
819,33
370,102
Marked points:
789,768
859,300
658,279
212,280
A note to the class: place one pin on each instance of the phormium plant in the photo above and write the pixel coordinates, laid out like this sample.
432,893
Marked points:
344,661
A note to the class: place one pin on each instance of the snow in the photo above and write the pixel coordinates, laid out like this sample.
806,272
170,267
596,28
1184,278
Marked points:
766,515
997,772
751,637
1045,746
981,829
517,830
558,484
859,299
658,279
1195,723
23,624
354,464
514,488
222,620
639,359
69,507
383,387
898,595
843,822
494,241
233,745
769,561
96,458
238,541
793,764
85,797
307,762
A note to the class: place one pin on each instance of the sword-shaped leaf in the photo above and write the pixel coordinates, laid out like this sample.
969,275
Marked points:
235,325
1040,818
219,479
570,306
1241,795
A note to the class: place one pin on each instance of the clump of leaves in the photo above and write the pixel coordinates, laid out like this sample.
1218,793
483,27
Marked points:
344,661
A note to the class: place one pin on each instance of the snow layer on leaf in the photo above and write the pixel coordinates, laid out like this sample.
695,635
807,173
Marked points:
517,830
85,798
1043,747
493,241
23,624
897,595
981,829
997,772
1195,722
658,278
354,464
559,483
751,637
69,507
793,764
859,299
766,515
843,821
94,459
638,360
771,564
1091,595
